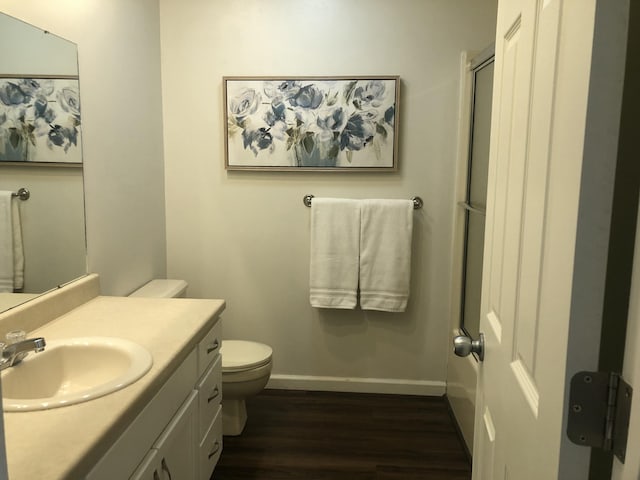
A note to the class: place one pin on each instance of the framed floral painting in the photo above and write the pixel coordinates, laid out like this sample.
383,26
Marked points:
313,123
40,120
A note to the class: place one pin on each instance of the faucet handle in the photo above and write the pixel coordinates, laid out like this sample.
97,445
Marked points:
15,336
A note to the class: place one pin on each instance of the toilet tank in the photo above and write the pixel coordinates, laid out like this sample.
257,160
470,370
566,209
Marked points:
162,288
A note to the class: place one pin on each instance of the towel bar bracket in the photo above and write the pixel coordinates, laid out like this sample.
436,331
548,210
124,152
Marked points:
22,194
307,200
417,201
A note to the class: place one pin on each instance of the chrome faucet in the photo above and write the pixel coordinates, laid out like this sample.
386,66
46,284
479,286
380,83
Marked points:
14,353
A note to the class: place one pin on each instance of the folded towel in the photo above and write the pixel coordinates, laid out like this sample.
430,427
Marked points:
335,241
6,243
385,254
18,251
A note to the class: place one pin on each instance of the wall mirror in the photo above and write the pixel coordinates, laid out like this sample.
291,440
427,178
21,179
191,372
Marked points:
34,65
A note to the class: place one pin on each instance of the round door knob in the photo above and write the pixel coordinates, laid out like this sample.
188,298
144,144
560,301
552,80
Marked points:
464,345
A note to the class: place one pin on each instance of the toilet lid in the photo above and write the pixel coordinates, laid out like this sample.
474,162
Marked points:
243,355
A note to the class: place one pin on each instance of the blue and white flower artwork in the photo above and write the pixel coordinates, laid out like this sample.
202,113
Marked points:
317,123
40,120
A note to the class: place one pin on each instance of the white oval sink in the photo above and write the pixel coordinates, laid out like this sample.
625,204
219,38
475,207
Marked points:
72,371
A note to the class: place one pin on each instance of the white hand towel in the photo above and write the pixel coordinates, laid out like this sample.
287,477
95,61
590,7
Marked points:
18,251
335,241
6,243
385,254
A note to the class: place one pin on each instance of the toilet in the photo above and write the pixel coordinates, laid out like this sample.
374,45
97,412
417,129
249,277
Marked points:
246,366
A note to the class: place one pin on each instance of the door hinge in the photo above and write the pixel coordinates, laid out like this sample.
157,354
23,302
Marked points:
599,411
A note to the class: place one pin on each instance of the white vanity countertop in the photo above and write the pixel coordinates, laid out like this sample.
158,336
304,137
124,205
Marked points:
65,443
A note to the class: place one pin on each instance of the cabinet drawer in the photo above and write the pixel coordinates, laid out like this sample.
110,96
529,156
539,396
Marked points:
209,347
210,395
211,447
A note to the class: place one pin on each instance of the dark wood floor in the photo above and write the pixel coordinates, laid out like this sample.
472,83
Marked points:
343,436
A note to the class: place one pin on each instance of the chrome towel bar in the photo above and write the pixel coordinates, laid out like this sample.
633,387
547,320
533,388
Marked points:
417,201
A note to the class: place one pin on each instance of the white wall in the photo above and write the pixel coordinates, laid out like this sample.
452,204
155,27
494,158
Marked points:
244,236
119,60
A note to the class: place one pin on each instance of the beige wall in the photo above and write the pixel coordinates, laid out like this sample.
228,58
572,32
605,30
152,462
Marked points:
244,236
119,59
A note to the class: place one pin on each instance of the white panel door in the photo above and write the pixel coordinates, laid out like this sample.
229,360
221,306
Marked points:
541,90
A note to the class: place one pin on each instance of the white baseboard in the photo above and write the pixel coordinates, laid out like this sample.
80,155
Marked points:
356,385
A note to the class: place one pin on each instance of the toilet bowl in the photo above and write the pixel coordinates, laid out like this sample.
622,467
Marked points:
246,367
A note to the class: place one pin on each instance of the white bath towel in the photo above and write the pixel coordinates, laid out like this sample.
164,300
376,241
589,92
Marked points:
385,254
335,241
18,248
6,242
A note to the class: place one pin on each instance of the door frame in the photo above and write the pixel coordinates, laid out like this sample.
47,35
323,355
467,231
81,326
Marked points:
620,329
596,216
462,373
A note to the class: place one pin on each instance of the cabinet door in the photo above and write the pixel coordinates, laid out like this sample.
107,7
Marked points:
134,444
177,445
173,456
148,468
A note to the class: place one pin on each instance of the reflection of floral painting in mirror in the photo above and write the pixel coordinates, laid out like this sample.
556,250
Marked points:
40,120
319,123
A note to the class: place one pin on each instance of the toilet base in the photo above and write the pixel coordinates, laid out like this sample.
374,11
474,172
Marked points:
234,416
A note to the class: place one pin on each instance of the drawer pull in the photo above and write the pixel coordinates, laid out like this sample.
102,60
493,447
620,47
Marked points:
165,468
213,347
214,394
216,447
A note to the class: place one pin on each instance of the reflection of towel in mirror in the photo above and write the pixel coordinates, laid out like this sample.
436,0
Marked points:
385,254
11,253
335,238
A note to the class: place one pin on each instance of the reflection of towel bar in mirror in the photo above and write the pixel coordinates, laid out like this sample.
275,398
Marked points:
22,194
417,201
467,206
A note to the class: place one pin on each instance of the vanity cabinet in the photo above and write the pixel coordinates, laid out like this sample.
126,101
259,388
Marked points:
179,433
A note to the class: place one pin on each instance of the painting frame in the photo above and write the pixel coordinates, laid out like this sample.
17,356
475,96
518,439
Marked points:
311,123
40,120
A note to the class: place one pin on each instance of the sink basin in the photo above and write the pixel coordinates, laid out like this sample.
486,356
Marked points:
72,371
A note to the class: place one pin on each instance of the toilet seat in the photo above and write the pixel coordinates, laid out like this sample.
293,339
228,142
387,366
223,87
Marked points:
241,355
